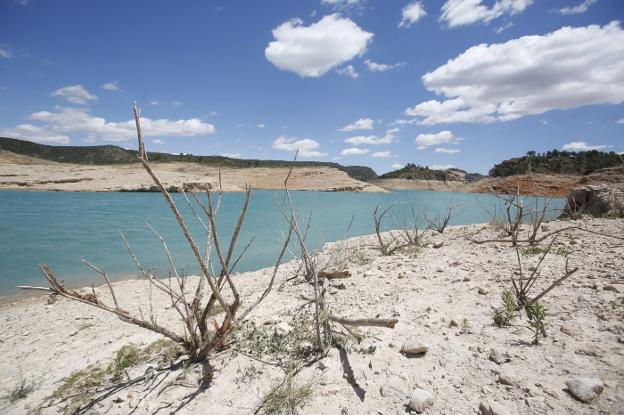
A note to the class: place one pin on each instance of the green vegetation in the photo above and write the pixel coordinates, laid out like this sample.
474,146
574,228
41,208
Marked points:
21,391
503,316
414,172
116,155
288,397
537,315
563,162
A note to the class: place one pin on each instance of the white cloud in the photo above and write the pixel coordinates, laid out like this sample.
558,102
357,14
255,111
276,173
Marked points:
311,51
581,146
580,9
213,113
78,120
412,13
306,147
381,67
397,166
34,133
354,151
177,103
447,150
111,86
568,68
361,124
501,29
463,12
260,125
382,154
232,155
388,138
158,141
427,140
349,71
442,166
76,94
342,4
5,53
620,121
154,102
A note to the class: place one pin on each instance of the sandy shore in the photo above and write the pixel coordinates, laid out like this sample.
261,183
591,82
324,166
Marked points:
427,290
131,177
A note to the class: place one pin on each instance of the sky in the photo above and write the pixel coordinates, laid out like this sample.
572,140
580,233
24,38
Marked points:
462,83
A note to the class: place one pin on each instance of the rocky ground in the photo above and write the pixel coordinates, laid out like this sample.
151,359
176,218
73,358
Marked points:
443,296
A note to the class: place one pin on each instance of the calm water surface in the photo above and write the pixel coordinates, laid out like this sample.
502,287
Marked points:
61,228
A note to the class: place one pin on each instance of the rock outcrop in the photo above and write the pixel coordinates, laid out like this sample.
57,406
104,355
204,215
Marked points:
598,200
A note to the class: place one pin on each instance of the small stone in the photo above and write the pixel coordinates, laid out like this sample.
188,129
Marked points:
499,357
395,387
507,378
413,348
572,330
483,291
453,323
585,389
493,408
420,400
618,288
590,351
438,245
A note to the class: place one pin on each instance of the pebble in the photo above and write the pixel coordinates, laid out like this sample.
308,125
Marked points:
618,288
482,291
571,330
413,348
395,387
493,408
585,389
508,378
499,357
420,400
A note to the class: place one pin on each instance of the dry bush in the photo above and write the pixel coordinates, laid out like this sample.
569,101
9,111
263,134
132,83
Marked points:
408,233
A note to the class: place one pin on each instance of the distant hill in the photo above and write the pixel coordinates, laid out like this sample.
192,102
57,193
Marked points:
110,154
414,172
558,162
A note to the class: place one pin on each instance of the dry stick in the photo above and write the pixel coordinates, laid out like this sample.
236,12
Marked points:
108,283
375,322
58,288
137,117
185,230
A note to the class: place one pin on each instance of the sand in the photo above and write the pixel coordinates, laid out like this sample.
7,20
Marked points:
425,290
30,175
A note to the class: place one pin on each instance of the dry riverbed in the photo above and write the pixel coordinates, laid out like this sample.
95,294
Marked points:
443,297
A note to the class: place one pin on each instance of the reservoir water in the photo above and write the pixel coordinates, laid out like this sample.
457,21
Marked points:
59,228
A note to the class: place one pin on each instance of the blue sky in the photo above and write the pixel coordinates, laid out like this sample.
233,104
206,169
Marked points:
462,83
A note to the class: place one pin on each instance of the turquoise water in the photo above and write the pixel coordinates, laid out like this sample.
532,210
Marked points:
61,228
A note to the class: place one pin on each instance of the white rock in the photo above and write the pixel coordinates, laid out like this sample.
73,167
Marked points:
499,357
420,400
493,408
585,389
394,387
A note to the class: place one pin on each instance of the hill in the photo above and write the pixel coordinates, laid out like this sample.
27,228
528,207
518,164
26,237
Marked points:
558,162
110,154
414,172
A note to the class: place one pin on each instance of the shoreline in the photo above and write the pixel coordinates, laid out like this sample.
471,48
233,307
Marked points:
426,290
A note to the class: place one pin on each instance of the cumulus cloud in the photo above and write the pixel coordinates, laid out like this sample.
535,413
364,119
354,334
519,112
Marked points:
311,51
158,141
361,124
111,86
388,138
428,140
580,9
232,155
5,53
581,146
349,71
34,133
412,13
306,147
381,67
354,151
568,68
464,12
447,150
58,124
382,154
76,94
442,166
